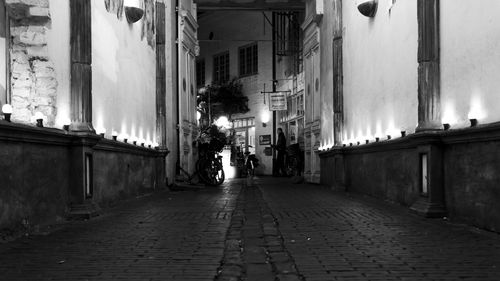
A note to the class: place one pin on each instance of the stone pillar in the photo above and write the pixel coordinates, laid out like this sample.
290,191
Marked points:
429,74
161,87
81,176
338,76
81,69
161,91
431,201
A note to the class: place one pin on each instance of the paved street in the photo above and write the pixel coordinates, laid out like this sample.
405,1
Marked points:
267,231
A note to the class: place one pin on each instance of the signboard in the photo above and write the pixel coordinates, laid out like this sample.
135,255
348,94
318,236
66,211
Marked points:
277,101
268,151
264,139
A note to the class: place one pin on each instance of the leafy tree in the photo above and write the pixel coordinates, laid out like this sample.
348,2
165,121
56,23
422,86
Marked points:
225,99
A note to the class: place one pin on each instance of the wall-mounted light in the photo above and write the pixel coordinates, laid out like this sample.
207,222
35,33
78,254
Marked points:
101,131
265,118
446,126
39,119
473,122
133,10
7,112
66,123
368,8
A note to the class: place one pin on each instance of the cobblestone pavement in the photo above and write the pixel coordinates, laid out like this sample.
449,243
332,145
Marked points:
332,236
270,230
167,236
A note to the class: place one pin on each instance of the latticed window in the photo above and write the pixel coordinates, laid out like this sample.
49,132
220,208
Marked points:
200,73
221,68
249,59
289,38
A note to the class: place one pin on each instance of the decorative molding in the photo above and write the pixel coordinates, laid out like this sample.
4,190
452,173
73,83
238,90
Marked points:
189,28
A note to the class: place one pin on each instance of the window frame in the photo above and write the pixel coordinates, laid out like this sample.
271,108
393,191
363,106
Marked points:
250,60
217,76
201,73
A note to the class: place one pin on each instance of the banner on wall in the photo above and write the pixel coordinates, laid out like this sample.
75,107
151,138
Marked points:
277,101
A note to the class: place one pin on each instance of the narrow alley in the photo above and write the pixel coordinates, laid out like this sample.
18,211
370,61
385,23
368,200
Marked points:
270,230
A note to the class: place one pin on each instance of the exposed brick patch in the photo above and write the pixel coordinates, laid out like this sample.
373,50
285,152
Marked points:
33,78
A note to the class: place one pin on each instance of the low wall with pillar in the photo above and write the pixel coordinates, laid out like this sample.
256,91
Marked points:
461,177
37,174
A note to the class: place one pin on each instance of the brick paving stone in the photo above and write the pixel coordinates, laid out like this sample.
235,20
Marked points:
272,230
339,236
166,236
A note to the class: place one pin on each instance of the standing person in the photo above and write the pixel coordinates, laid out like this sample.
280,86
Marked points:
281,148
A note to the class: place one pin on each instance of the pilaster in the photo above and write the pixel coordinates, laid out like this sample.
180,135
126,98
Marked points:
429,73
161,86
81,66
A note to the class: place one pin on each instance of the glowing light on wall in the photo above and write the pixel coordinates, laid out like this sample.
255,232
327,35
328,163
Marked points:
449,115
265,117
63,116
392,130
100,130
378,129
477,110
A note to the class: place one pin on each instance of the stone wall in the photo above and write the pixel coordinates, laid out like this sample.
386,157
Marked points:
390,170
38,171
33,78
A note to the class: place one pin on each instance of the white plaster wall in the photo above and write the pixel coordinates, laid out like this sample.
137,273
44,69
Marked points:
236,29
59,52
123,76
3,72
380,70
470,60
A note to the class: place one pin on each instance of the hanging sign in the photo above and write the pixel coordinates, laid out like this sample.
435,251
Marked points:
277,101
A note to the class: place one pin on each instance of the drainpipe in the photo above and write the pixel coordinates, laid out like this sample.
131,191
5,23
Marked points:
274,89
178,160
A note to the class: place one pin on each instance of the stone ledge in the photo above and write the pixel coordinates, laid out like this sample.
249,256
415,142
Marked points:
116,146
31,134
482,133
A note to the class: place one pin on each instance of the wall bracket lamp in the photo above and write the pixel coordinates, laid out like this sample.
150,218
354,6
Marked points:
7,111
368,8
133,10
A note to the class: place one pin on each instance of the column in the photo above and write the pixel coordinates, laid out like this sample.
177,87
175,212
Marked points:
429,75
161,87
81,69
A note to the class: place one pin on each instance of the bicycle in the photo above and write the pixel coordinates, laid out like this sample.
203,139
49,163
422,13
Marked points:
209,168
209,165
